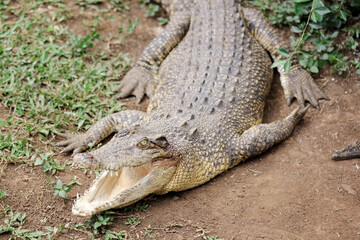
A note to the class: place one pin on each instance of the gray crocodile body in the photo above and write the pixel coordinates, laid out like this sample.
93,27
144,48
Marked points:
207,76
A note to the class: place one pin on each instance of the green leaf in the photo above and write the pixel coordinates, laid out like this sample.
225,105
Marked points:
283,52
97,224
63,194
278,63
318,4
287,66
314,69
332,58
325,56
322,10
315,17
343,15
295,29
316,25
59,184
68,188
358,71
2,194
38,162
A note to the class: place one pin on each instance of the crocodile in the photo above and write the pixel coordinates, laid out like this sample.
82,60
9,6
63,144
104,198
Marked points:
207,76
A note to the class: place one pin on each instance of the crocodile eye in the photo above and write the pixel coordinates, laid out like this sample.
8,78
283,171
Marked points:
143,143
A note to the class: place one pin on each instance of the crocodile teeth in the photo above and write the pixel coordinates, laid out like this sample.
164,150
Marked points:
77,196
111,173
117,173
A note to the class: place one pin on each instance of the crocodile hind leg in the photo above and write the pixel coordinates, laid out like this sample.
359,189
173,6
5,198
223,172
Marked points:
261,137
297,83
140,79
350,152
99,131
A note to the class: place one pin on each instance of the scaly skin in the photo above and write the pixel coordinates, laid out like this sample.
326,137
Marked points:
207,76
350,152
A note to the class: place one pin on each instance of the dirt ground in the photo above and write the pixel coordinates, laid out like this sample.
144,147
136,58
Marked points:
293,191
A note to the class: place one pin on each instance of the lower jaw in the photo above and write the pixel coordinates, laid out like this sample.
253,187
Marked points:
107,187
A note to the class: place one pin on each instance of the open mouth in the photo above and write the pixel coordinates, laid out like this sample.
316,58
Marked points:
122,186
109,187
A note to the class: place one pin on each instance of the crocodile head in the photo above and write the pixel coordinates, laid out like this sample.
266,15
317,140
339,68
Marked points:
135,163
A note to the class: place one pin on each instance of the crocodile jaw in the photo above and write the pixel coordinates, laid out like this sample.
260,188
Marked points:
120,188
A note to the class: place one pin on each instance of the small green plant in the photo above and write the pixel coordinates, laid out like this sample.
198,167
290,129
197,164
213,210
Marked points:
319,16
13,148
139,206
148,231
213,238
162,21
133,221
48,164
119,5
12,221
88,2
80,44
353,31
61,190
99,223
2,194
54,230
151,10
131,26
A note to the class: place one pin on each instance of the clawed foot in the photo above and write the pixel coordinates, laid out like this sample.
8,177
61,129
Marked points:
299,84
136,82
75,143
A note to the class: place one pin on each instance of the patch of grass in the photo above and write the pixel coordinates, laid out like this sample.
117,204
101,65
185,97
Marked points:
136,207
99,223
13,146
13,223
51,78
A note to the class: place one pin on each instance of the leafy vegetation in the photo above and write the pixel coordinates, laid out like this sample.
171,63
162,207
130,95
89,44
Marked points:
41,60
98,224
2,194
48,164
313,22
61,190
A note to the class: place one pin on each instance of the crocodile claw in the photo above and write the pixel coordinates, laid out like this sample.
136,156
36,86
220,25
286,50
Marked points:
299,84
136,82
77,143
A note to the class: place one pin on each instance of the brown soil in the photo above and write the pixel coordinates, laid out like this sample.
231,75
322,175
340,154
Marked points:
293,191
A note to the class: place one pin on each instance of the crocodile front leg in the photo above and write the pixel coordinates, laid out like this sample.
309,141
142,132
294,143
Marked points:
297,83
99,131
138,80
259,138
